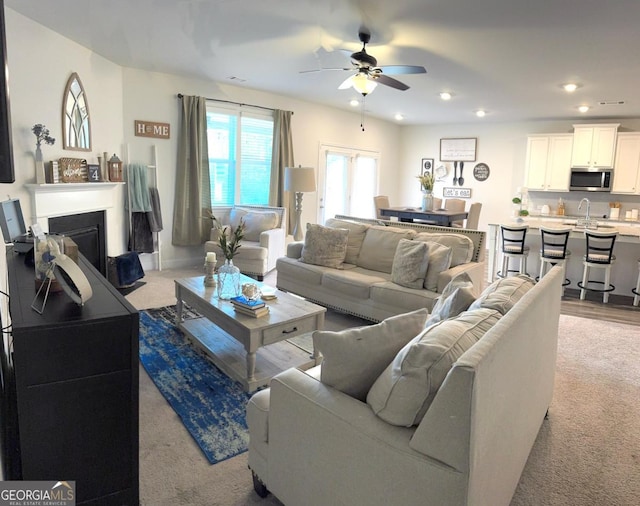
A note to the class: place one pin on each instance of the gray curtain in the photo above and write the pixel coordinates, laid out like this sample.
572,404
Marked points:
191,224
282,156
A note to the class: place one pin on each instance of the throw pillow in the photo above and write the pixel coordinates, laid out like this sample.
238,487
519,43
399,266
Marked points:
356,236
325,246
439,260
404,391
379,247
461,245
410,263
354,358
503,293
456,297
257,222
235,215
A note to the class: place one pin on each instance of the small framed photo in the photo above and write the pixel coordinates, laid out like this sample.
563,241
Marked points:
93,172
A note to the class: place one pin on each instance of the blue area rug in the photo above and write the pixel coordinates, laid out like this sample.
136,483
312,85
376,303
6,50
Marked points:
210,405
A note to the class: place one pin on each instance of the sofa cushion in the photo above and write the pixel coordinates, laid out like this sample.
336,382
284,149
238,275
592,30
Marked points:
325,246
352,283
392,295
461,245
456,297
503,293
404,391
294,268
356,236
354,358
439,260
410,263
379,247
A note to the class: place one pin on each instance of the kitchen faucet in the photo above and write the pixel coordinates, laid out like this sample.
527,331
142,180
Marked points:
587,218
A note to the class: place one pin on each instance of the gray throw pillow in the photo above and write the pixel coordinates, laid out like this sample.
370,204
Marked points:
410,263
456,297
405,390
439,260
354,358
325,246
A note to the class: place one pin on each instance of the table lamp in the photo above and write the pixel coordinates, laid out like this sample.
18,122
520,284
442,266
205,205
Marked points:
299,180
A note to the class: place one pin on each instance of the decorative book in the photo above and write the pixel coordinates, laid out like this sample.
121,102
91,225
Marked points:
256,313
242,301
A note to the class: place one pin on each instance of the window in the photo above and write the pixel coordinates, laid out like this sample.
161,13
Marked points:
240,144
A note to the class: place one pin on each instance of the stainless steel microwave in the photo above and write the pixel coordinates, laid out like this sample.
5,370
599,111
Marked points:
591,180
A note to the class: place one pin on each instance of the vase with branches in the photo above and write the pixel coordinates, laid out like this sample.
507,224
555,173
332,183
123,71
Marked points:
228,274
427,180
42,135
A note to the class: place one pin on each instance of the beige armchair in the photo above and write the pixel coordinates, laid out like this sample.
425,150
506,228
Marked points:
264,241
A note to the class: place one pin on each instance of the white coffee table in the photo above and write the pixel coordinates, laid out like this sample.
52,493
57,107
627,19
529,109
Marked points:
249,350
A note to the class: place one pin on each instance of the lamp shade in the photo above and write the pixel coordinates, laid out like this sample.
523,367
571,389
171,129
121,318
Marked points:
299,179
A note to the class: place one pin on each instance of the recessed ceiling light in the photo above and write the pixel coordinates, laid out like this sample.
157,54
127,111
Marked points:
445,95
583,108
354,103
399,117
570,87
480,113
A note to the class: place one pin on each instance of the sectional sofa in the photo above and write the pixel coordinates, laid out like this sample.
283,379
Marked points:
370,276
449,419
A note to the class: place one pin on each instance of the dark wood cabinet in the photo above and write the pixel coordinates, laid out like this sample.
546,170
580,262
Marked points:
70,396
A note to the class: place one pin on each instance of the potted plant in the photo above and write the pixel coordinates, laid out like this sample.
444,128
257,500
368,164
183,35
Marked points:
427,181
228,274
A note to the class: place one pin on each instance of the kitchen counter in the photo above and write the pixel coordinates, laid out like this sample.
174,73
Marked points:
624,271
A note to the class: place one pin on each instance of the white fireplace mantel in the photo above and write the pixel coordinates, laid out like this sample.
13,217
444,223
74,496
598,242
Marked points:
63,199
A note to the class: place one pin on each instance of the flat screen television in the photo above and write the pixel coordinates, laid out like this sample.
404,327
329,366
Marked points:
7,174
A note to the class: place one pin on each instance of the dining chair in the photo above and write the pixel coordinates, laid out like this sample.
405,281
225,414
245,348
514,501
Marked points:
381,202
456,205
437,203
473,217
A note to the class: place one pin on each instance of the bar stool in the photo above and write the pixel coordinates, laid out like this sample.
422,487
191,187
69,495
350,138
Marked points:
636,290
553,251
599,255
513,246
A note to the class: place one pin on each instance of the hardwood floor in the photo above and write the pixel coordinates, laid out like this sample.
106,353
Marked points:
619,309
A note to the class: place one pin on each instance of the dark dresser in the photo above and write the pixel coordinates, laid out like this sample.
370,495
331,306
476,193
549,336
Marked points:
70,389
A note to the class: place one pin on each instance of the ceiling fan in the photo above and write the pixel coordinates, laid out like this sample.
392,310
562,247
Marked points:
368,74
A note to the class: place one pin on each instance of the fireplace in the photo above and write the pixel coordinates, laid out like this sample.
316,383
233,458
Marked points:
88,231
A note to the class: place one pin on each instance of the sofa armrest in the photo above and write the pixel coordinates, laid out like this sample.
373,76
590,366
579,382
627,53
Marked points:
294,249
475,270
274,241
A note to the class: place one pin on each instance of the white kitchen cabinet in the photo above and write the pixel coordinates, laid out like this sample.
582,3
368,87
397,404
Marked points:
594,145
548,162
626,169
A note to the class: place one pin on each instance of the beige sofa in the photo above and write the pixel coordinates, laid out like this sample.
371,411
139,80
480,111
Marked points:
313,444
265,237
364,284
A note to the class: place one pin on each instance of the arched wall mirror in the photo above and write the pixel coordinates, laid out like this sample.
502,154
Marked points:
76,124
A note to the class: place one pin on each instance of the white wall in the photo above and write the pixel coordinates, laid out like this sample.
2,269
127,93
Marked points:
502,146
151,96
40,62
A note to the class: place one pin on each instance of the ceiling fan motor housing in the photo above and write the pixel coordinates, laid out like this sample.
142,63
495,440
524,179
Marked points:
364,59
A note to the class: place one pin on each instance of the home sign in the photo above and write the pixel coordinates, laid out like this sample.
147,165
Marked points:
152,129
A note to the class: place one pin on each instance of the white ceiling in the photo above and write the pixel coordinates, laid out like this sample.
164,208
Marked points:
508,57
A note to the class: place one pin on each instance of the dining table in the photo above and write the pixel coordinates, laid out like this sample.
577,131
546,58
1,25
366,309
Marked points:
439,217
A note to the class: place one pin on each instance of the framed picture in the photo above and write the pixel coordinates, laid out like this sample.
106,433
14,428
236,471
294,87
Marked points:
426,165
458,150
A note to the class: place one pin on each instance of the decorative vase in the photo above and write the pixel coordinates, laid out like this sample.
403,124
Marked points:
228,281
427,200
40,174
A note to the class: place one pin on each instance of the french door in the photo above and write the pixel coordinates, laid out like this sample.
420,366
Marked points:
348,181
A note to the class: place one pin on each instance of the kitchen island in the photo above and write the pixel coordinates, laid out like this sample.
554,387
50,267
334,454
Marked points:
624,272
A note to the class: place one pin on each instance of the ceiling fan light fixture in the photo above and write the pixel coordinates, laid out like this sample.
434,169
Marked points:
445,95
362,84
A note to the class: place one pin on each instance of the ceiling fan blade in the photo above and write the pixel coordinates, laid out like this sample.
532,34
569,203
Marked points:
325,68
403,69
390,81
346,83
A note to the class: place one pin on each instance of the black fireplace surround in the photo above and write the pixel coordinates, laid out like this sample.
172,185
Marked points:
88,231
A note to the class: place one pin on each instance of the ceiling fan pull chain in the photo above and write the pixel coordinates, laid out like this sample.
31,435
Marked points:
362,113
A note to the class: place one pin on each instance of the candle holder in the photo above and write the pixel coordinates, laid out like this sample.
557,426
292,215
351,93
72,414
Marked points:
210,270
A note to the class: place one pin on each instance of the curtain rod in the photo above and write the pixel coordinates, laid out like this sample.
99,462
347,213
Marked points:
180,95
